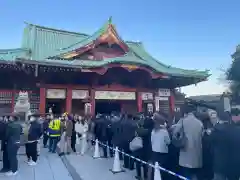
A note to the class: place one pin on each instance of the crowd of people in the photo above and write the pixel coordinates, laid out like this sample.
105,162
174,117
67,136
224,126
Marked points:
196,147
53,130
11,131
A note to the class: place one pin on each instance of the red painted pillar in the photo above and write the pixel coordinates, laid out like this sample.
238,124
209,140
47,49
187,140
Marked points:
92,101
139,101
69,100
42,105
172,102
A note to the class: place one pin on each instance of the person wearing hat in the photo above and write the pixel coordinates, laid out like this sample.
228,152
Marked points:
34,134
13,133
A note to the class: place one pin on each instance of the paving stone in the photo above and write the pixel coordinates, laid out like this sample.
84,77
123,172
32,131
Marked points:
91,169
49,167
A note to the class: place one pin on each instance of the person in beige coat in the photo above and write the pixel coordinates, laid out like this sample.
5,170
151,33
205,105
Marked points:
65,142
190,158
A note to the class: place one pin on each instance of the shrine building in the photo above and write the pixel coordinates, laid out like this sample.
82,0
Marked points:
66,70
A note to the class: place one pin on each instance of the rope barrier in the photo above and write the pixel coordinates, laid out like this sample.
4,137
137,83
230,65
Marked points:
141,161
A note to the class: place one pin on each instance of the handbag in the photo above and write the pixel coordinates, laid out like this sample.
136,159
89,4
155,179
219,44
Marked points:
136,143
179,138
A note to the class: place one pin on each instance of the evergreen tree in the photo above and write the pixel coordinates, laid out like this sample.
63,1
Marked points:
233,74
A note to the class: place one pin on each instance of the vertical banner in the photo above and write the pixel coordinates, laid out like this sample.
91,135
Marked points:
226,104
157,101
150,107
87,109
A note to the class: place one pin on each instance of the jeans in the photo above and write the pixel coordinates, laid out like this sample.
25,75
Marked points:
12,156
53,144
45,139
65,144
6,165
218,176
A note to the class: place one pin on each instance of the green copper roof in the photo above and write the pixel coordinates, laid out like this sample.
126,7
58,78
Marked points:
41,43
12,54
126,59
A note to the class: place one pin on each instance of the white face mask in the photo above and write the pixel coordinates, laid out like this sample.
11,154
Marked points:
32,119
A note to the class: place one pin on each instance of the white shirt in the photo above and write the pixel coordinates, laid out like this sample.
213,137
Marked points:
160,140
81,128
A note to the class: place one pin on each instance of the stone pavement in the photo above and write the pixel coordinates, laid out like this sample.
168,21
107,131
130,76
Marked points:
49,167
89,168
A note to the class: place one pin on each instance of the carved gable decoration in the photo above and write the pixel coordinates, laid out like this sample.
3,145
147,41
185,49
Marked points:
102,51
105,43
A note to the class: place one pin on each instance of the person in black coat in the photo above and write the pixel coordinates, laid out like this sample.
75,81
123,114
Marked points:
234,155
116,132
219,138
129,127
106,135
45,130
3,126
207,151
101,132
144,131
34,134
97,127
13,133
2,131
73,137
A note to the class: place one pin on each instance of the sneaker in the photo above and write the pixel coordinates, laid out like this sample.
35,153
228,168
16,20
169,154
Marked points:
10,173
28,161
61,154
3,170
15,173
32,163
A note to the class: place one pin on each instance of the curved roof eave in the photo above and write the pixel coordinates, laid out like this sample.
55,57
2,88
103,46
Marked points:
123,59
140,51
12,54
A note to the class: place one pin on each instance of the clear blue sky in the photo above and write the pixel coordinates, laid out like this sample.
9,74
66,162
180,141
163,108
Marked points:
185,33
